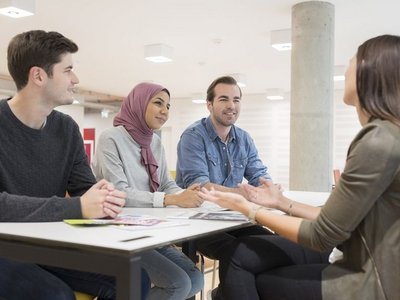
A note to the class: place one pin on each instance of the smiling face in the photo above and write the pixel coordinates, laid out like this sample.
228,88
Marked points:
225,107
58,88
157,110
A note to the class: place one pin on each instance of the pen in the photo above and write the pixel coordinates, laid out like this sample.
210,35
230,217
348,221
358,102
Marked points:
136,238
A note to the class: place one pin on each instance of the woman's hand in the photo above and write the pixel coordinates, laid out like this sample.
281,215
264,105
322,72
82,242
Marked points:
267,194
228,200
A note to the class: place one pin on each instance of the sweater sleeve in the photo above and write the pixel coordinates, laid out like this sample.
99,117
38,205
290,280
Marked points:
371,166
15,208
81,177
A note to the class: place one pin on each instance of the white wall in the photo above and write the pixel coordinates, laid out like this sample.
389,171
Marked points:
95,120
75,111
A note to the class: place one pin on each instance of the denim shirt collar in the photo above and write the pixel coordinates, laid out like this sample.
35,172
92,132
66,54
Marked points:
213,134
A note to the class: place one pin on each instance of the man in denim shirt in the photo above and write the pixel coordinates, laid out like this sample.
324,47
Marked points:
216,153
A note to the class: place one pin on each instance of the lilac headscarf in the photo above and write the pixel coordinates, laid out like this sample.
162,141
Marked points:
132,117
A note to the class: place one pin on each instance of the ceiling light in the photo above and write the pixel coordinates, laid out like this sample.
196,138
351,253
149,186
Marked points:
338,73
78,99
199,98
158,53
17,8
240,79
281,39
275,94
105,113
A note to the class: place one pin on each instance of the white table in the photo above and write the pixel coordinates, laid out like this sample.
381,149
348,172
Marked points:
106,249
310,198
110,250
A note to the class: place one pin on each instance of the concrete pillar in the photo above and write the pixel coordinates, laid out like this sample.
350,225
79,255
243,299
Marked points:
311,107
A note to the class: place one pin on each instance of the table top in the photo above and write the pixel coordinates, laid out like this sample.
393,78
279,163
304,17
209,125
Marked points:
116,238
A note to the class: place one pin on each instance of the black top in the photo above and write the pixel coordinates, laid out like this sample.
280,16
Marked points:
43,164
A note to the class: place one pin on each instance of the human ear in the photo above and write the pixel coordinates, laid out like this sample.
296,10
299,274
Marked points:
37,75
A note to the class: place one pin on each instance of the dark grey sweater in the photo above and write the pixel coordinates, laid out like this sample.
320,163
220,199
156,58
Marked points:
37,168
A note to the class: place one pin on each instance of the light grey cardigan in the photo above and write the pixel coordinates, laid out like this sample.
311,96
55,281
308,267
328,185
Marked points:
118,160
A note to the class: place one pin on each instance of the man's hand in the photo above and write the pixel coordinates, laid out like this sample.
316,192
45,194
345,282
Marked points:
102,200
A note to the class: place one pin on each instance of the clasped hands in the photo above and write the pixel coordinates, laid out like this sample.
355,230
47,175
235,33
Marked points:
102,200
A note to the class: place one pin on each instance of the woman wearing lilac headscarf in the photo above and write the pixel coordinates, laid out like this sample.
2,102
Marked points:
132,157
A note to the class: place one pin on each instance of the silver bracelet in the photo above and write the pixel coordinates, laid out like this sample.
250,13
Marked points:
289,211
252,213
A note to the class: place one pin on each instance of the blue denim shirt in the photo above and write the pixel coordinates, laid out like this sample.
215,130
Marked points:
203,157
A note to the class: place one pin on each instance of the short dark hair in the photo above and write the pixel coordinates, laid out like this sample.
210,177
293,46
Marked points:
378,77
223,79
36,48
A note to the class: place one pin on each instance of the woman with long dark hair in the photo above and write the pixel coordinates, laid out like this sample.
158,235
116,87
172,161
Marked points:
361,216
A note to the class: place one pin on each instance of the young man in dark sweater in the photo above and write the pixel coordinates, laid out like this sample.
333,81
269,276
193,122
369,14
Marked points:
41,159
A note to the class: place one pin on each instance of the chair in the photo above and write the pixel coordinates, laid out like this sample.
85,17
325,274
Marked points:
82,296
214,273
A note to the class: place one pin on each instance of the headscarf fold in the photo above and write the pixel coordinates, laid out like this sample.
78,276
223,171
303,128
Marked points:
132,117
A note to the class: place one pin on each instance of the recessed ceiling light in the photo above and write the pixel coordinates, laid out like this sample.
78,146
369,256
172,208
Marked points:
275,94
281,39
338,72
199,98
158,53
17,8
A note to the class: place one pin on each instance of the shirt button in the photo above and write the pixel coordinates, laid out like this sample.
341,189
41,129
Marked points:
223,148
225,164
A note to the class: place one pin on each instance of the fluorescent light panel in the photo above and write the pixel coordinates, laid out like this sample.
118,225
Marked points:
199,101
158,53
275,94
338,78
275,97
281,40
105,113
338,72
199,98
17,8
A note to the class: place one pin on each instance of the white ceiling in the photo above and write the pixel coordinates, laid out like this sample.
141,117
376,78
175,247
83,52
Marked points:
210,38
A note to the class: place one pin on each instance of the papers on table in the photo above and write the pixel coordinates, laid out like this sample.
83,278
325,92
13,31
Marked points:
214,212
128,222
208,206
220,215
142,220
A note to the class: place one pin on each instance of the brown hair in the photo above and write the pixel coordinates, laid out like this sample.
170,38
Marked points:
378,77
223,79
36,48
